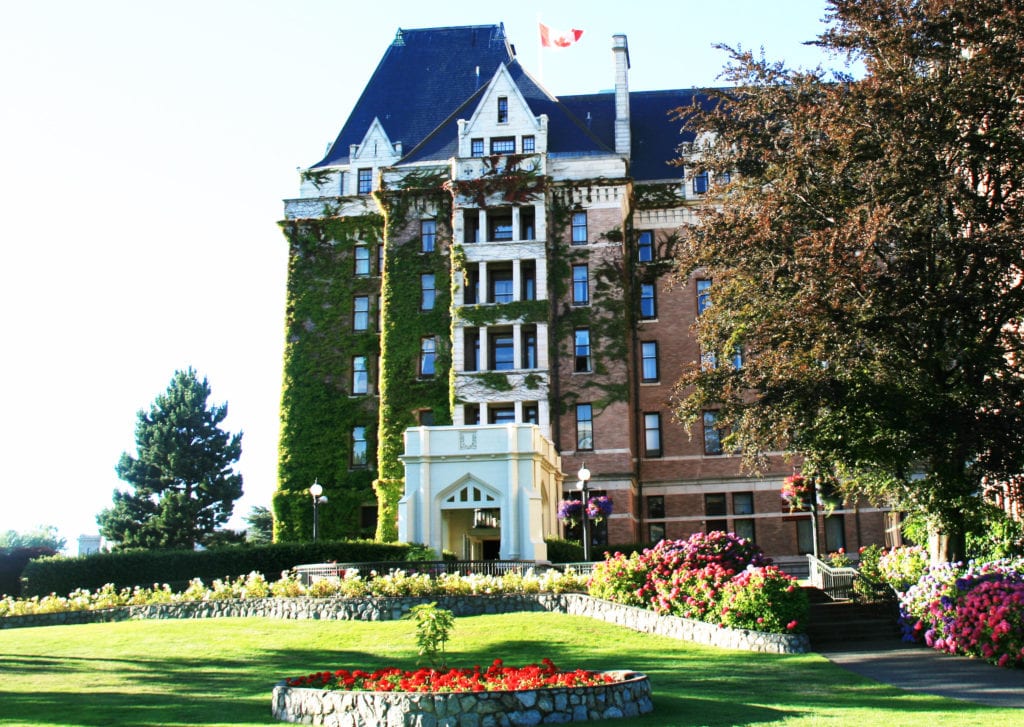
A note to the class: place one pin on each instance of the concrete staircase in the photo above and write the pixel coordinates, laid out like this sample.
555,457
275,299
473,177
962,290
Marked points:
845,622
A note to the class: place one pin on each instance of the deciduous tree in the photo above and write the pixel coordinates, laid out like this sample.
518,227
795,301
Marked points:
867,255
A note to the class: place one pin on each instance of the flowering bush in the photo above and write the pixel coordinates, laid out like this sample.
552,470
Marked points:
869,585
904,566
838,559
620,579
763,599
497,677
691,578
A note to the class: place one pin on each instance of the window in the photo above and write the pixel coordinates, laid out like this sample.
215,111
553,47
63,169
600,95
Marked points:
737,358
712,434
580,285
428,356
503,145
527,219
502,351
804,537
655,532
360,377
579,228
700,183
500,282
358,455
652,434
427,291
502,109
501,415
529,349
472,350
380,259
714,511
649,361
428,235
368,519
360,313
584,427
703,295
471,414
365,181
500,225
723,178
582,350
655,506
361,254
528,280
531,414
648,305
743,503
471,222
835,536
426,417
471,287
645,246
476,147
744,527
529,145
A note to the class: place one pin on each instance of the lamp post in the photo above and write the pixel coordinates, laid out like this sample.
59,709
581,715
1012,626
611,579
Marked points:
317,491
584,477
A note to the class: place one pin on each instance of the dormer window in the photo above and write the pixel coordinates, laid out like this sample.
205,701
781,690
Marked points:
502,109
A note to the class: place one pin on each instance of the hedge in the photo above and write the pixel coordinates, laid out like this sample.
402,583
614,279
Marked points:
13,562
177,567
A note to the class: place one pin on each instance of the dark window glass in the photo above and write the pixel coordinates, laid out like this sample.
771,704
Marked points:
528,278
655,506
580,285
503,145
835,534
365,181
712,434
428,235
584,427
476,147
700,183
472,350
804,537
645,246
579,228
529,145
502,351
531,414
360,377
360,313
652,434
501,285
655,532
426,417
743,503
529,349
428,293
703,295
649,361
358,447
428,356
648,307
361,254
502,109
714,504
744,527
582,350
501,415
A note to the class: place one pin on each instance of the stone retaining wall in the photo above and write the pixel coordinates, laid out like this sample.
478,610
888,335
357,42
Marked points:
389,609
630,697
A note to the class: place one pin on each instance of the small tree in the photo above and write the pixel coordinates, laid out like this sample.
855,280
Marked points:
261,525
44,536
183,478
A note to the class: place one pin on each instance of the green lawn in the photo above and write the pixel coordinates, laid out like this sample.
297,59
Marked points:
221,671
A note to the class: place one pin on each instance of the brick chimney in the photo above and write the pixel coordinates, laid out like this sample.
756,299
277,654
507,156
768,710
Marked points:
623,142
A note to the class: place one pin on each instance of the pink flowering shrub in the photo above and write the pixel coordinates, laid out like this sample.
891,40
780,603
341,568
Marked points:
902,567
763,599
620,579
689,578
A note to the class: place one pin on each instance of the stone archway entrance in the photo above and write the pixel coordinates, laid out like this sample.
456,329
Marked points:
471,520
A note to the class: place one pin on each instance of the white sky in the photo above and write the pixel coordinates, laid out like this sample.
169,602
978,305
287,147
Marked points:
145,148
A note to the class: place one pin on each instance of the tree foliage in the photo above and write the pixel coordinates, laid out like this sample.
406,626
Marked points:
43,536
183,478
261,525
867,255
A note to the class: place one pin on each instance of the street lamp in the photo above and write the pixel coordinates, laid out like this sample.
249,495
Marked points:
319,498
584,477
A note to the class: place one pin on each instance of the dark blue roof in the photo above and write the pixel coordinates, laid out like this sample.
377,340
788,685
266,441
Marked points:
428,71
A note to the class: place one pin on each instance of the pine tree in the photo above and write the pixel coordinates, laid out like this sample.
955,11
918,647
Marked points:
183,481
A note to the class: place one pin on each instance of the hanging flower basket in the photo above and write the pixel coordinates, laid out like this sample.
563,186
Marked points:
571,511
796,492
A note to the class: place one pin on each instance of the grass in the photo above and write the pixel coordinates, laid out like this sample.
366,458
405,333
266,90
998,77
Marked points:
221,671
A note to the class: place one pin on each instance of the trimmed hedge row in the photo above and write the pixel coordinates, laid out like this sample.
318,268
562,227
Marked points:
12,564
178,567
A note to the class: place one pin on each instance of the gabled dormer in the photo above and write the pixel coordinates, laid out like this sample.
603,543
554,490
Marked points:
365,159
503,122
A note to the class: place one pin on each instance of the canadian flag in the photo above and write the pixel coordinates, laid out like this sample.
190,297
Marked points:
550,38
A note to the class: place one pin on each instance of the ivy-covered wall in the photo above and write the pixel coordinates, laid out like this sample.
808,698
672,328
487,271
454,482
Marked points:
318,409
403,392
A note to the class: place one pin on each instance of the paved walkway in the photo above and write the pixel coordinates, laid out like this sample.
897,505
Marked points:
920,669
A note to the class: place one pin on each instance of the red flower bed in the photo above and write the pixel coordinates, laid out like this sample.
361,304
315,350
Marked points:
497,677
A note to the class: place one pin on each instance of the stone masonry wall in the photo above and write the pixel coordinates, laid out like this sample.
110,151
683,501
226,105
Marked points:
390,609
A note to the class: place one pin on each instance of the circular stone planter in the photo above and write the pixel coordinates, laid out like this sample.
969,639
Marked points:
628,697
